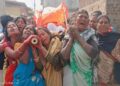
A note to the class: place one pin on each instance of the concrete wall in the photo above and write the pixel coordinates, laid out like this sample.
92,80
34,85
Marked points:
15,13
113,11
14,8
51,3
97,5
73,5
84,3
2,10
2,5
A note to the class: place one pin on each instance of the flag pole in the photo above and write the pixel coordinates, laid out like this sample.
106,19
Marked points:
66,22
34,6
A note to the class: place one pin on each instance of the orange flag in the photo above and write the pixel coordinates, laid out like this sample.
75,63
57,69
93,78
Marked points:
56,15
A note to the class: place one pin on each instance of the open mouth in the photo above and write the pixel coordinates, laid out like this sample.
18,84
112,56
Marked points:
82,23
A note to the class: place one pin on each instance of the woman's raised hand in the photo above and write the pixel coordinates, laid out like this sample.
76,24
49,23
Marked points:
28,40
74,33
36,42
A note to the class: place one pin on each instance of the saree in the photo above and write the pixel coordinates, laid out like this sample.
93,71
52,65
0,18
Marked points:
116,54
9,71
116,51
8,80
105,69
78,72
80,64
26,75
52,76
106,65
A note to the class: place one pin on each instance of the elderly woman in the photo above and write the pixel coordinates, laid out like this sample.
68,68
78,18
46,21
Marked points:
79,52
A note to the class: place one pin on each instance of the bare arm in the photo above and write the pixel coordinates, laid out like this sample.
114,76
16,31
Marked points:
92,42
66,49
2,46
41,53
16,53
89,49
19,51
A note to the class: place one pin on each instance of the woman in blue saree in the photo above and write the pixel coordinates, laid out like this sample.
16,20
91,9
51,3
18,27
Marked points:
26,73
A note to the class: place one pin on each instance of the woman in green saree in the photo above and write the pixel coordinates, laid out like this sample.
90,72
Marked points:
79,51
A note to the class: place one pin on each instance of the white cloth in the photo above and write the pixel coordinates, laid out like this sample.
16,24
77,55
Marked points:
67,77
55,29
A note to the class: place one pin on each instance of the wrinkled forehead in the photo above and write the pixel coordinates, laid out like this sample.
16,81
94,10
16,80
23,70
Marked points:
83,14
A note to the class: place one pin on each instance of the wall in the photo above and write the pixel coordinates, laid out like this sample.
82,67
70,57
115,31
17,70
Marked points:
2,5
113,11
97,5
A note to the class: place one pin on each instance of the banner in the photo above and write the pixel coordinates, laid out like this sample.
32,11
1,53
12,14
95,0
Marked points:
53,15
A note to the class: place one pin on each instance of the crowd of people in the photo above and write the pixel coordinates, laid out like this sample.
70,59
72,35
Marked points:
85,53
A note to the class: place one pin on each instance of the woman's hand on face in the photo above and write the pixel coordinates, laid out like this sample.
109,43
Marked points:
74,33
70,31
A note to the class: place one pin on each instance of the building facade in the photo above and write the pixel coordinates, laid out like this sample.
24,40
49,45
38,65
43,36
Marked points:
109,7
2,10
2,6
15,8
